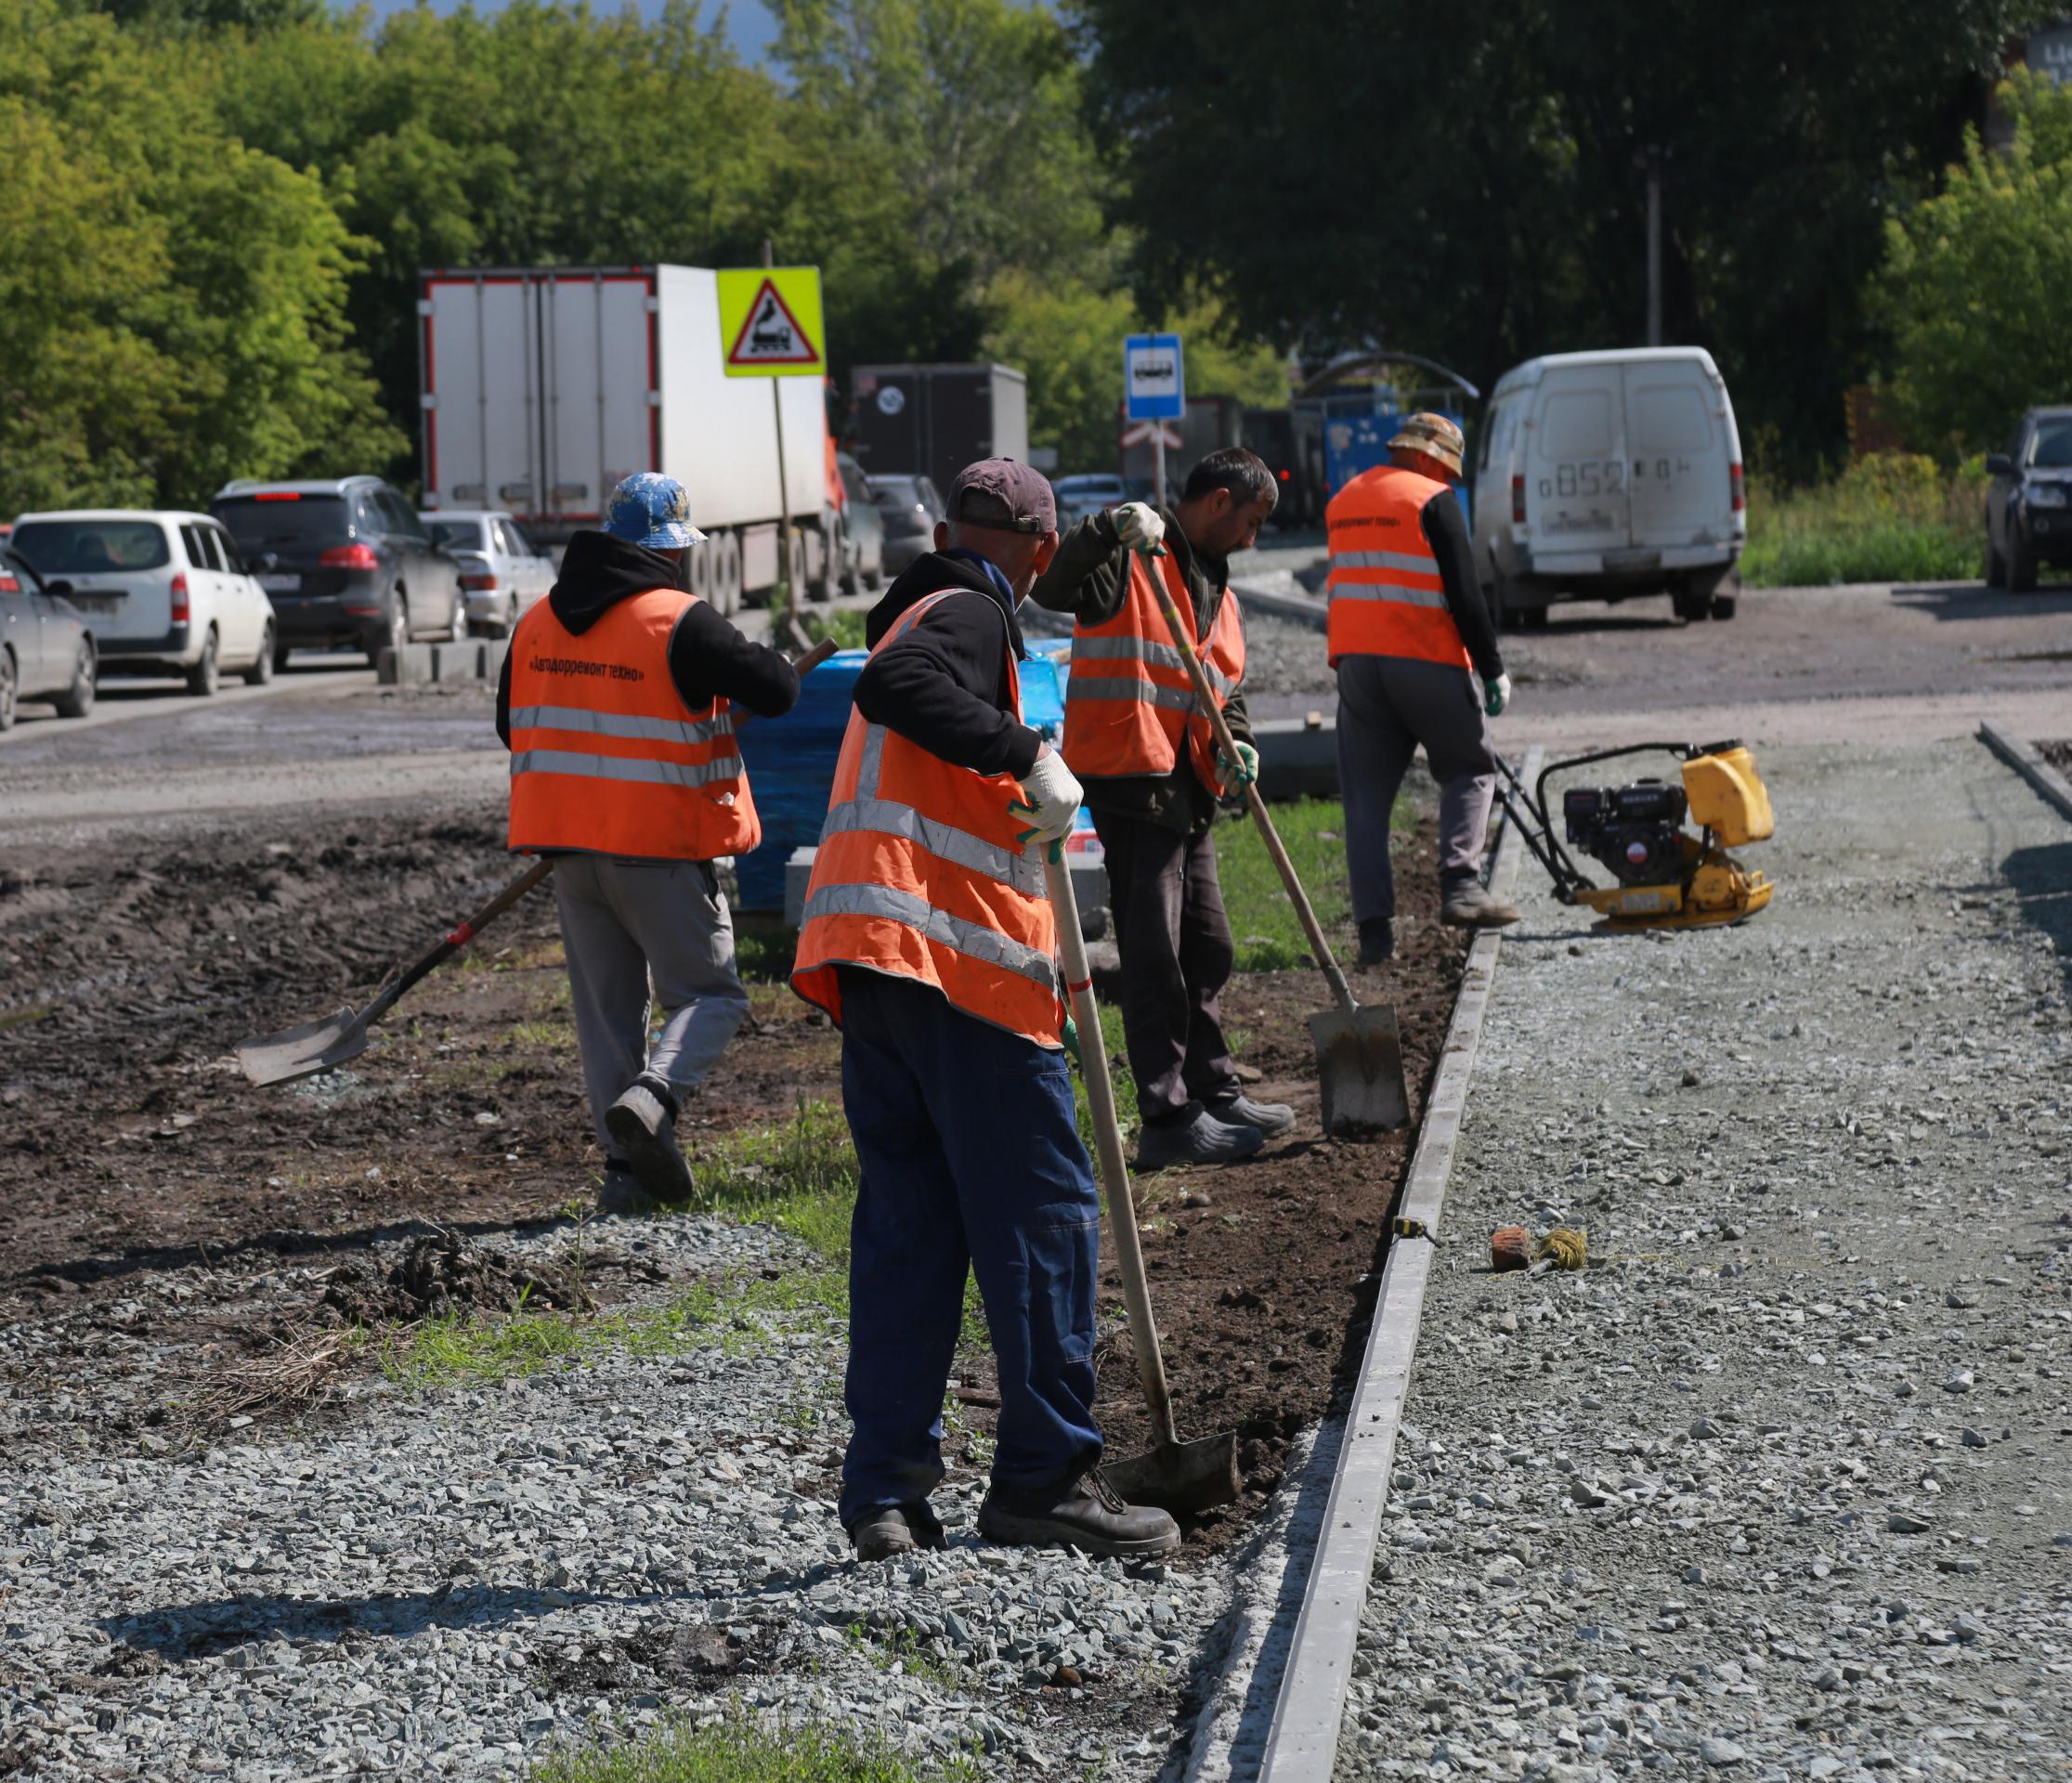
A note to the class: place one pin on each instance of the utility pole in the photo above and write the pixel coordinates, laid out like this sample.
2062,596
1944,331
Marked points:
790,580
1652,159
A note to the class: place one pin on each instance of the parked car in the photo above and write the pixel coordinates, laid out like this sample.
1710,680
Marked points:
910,507
166,591
502,572
1606,475
2029,504
862,529
47,645
346,561
1088,492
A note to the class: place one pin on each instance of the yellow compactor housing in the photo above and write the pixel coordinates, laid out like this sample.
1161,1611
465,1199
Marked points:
1726,797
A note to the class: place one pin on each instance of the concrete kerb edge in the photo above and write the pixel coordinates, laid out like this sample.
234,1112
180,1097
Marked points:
2027,761
1311,613
469,661
1302,1746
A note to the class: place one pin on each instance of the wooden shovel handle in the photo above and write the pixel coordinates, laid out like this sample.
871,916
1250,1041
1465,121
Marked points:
1319,947
1115,1171
455,939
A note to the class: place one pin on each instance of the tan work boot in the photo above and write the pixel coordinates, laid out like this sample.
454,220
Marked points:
1467,904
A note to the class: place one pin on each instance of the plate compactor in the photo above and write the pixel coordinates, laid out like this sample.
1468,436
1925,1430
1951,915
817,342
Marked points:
1667,878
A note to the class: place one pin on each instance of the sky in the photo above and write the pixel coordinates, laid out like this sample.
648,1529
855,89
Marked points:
749,21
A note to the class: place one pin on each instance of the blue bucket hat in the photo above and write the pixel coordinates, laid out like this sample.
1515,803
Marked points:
652,510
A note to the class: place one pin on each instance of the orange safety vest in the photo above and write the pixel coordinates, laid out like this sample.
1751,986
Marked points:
1387,598
604,759
1129,698
918,875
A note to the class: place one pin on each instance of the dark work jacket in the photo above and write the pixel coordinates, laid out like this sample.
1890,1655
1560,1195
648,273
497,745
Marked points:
1089,578
1446,533
707,658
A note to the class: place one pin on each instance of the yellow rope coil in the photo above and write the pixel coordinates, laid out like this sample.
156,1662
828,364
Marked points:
1568,1247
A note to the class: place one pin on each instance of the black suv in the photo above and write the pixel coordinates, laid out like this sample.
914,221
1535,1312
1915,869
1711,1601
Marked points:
346,561
2029,508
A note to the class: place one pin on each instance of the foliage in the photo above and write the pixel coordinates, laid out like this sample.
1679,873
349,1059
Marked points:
738,1751
1974,281
1465,183
1892,517
1263,922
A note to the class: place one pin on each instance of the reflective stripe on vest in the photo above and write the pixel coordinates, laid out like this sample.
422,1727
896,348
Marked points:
604,759
931,885
1129,699
1387,602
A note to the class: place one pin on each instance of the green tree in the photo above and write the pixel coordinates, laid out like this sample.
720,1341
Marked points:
1976,278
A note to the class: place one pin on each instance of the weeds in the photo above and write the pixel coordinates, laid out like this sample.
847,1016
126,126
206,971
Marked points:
1263,922
900,1650
739,1751
1890,517
293,1377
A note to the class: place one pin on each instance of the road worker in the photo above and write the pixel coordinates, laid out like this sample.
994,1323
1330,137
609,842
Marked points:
929,937
616,705
1407,624
1148,759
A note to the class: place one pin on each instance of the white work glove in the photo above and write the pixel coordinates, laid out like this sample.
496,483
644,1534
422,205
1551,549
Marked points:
1497,696
1138,527
1053,797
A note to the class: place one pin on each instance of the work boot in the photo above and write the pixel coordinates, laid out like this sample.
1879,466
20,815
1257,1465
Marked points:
1466,904
1378,940
1202,1140
620,1193
894,1530
1087,1513
643,1122
1237,1109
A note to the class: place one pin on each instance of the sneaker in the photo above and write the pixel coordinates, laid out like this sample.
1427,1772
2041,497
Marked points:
1204,1139
895,1530
620,1193
643,1122
1467,904
1378,940
1087,1513
1237,1109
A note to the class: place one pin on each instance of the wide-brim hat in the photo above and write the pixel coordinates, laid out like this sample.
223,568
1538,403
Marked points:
1435,436
652,510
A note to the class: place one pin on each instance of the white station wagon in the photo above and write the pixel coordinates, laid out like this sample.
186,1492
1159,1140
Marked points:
165,591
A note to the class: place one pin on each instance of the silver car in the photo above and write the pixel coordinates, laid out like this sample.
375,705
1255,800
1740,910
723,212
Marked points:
502,572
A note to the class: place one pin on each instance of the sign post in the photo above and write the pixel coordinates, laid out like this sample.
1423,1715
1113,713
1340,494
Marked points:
1154,389
771,326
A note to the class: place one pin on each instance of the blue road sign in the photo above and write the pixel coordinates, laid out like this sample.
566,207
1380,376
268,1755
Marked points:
1153,382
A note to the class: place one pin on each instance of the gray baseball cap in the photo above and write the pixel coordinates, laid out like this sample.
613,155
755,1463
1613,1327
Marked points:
1005,494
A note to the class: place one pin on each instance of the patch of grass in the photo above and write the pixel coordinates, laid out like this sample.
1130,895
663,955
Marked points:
543,1031
1890,517
764,948
901,1649
800,1178
1263,922
741,1751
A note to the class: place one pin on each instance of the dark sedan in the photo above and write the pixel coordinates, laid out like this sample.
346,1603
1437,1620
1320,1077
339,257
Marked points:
2028,507
46,646
911,506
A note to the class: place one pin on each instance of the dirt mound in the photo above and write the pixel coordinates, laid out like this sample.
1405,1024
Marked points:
658,1659
443,1274
2059,755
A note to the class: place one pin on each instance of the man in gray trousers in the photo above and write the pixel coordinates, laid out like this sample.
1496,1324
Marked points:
1407,624
617,704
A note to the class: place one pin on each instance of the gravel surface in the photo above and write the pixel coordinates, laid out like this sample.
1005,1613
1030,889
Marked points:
1778,1486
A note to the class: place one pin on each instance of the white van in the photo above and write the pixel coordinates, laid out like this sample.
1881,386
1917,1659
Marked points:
165,592
1604,475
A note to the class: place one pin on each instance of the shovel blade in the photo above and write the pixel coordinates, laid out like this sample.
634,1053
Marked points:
1183,1478
304,1052
1359,1067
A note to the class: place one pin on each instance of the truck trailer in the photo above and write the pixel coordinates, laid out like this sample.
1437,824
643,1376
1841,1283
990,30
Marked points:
543,387
934,420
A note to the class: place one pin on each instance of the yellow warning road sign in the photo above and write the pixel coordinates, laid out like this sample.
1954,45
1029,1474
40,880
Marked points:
770,324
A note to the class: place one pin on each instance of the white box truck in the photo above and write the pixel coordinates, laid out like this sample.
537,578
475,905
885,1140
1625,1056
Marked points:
1606,476
543,387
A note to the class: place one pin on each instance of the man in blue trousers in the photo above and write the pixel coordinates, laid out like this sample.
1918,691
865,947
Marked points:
929,937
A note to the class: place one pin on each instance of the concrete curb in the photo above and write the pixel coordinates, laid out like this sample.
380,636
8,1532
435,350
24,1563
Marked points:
1283,606
1302,1746
2024,756
473,659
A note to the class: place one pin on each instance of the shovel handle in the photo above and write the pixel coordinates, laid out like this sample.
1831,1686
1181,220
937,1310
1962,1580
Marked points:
1115,1171
1320,948
454,940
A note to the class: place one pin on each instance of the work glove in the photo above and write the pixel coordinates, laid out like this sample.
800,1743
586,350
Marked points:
1138,527
1071,1038
1244,770
1053,798
1497,696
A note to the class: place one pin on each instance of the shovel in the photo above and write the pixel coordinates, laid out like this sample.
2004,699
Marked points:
1360,1051
325,1046
1183,1478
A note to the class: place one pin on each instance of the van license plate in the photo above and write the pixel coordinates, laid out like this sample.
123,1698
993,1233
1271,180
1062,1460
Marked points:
281,584
88,602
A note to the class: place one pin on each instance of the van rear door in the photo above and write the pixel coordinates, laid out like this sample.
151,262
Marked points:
1676,436
1575,470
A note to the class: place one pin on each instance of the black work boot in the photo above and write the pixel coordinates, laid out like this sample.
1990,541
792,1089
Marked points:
894,1530
1237,1109
1200,1139
643,1122
1467,904
1087,1513
1378,940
